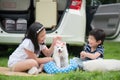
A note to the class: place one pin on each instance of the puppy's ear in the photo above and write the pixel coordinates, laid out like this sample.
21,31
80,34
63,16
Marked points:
64,43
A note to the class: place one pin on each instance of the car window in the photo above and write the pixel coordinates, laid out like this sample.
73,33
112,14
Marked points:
93,2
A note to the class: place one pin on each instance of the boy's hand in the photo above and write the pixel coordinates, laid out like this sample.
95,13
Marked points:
82,55
30,54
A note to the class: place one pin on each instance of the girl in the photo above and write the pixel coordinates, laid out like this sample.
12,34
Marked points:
25,57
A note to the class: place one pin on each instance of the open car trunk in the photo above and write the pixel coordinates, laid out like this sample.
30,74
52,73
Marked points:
17,15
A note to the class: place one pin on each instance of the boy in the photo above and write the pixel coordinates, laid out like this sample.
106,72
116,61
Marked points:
94,48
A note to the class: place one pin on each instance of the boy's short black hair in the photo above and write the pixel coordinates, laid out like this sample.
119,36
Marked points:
99,34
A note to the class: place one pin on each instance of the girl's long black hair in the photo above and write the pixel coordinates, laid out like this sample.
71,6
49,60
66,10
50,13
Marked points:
32,34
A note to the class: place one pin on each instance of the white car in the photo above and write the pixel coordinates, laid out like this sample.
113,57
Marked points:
58,16
71,19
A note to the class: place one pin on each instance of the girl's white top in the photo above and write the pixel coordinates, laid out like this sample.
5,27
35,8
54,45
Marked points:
20,55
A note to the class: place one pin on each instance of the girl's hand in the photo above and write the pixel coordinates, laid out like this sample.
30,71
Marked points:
56,38
30,54
44,60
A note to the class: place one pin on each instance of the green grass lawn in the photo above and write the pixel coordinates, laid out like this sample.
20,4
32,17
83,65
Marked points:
112,51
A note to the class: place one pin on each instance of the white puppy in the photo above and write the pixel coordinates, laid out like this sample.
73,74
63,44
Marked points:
60,54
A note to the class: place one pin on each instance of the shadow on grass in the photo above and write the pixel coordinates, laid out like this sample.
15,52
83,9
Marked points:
6,51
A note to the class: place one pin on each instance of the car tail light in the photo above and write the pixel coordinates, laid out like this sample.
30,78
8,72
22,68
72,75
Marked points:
75,4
